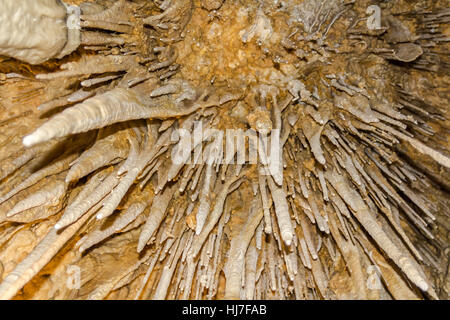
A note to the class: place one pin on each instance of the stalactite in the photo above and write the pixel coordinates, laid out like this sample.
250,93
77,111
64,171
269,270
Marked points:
339,161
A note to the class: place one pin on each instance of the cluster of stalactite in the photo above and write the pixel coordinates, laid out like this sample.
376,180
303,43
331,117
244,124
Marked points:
100,167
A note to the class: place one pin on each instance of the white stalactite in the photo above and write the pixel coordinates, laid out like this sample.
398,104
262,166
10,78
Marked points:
35,31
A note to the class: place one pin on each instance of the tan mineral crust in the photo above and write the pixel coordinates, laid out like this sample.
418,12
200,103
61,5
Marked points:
93,205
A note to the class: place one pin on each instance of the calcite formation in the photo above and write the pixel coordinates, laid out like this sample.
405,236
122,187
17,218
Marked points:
224,149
